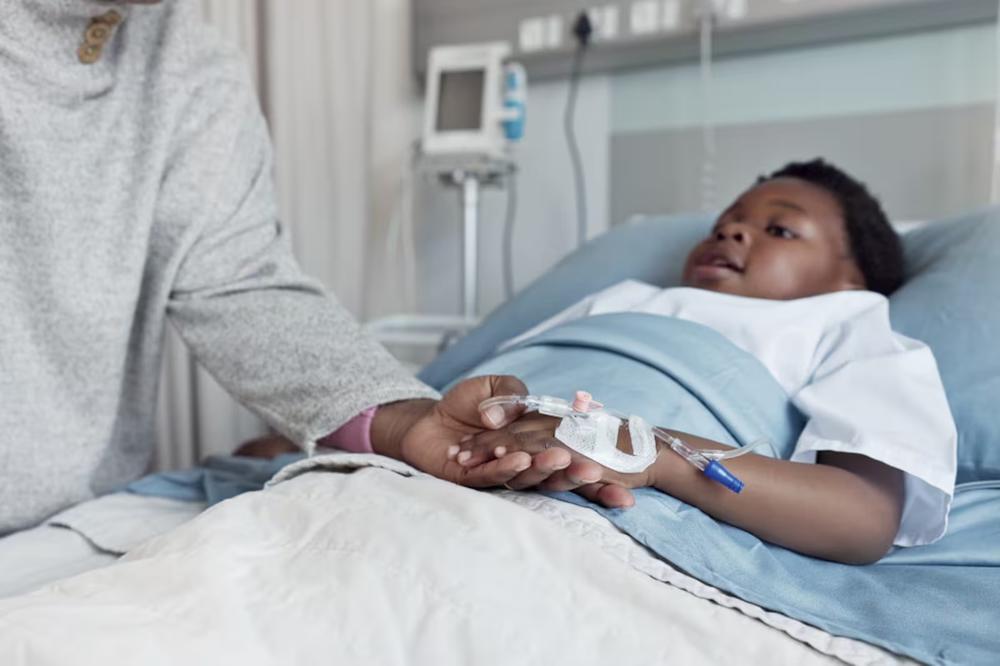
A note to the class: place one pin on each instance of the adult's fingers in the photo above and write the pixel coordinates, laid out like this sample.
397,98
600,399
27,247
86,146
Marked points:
459,409
493,473
498,416
495,444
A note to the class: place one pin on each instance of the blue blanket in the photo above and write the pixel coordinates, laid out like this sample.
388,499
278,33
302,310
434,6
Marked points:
939,603
217,479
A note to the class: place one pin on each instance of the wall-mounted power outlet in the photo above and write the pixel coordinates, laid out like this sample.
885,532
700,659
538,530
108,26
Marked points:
555,31
644,17
531,35
640,33
606,22
734,10
670,15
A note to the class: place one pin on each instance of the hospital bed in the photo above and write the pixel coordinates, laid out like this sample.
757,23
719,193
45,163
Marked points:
359,559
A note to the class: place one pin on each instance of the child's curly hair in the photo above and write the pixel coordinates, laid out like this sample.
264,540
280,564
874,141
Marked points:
874,243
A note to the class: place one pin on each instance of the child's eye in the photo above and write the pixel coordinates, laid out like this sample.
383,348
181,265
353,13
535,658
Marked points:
779,231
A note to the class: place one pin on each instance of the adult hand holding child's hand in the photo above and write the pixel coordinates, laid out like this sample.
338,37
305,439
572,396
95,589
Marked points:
554,466
429,435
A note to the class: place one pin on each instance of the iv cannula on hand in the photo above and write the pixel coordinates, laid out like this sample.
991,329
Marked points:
585,429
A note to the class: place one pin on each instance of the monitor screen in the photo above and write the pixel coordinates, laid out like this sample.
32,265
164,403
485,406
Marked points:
460,101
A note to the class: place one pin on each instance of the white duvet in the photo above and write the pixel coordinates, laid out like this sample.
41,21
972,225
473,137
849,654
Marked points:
361,560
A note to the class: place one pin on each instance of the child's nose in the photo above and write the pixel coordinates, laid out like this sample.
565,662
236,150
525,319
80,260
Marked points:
732,231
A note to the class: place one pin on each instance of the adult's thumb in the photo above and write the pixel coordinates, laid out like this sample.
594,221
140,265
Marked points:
497,416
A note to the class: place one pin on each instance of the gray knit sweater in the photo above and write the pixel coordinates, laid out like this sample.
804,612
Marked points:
132,190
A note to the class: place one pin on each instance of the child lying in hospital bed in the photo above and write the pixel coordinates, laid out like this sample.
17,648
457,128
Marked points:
795,272
936,604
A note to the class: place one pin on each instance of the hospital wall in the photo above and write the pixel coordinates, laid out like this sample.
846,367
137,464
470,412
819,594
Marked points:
912,115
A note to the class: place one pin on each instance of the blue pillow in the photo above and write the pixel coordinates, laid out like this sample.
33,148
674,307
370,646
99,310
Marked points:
650,249
951,301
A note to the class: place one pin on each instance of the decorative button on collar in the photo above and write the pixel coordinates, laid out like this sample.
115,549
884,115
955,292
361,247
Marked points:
97,34
111,17
89,53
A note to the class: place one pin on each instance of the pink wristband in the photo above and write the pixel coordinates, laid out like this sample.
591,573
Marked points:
355,435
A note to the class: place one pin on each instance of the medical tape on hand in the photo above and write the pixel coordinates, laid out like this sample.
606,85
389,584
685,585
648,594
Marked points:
595,435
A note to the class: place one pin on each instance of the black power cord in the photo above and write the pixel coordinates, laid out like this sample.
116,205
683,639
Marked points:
508,235
583,29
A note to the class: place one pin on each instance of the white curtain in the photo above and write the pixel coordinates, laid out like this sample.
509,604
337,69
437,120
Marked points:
312,61
396,110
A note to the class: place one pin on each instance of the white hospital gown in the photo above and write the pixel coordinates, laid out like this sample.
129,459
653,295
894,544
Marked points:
862,387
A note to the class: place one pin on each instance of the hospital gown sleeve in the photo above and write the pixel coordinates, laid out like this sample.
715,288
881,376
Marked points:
879,394
271,336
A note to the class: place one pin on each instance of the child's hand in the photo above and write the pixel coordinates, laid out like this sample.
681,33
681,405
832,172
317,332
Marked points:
554,466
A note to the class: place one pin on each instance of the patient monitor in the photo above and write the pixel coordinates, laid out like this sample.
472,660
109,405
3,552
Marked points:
475,110
474,104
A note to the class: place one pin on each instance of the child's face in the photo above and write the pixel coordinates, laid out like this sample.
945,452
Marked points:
782,239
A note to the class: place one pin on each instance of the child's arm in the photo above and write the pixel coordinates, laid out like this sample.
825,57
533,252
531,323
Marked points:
846,508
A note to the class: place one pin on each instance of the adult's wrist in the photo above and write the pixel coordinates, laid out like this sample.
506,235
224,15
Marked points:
391,423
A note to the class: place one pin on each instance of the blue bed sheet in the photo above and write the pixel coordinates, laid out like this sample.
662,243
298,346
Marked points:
218,478
938,603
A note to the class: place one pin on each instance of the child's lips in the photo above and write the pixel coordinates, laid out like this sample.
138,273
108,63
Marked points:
722,257
716,265
713,272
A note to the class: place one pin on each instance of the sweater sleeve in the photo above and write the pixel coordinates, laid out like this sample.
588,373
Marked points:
271,336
